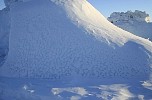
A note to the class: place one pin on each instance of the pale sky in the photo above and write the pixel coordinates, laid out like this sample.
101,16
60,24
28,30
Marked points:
106,7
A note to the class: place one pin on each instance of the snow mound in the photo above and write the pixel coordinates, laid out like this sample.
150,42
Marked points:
137,22
70,38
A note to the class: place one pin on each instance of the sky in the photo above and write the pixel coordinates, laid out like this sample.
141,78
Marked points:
106,7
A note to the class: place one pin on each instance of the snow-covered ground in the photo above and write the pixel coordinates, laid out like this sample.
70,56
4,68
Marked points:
137,22
66,50
97,89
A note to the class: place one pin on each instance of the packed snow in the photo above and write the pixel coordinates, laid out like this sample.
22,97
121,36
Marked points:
67,50
137,22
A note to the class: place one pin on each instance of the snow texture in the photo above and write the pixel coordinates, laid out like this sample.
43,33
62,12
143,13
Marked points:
69,38
137,22
4,33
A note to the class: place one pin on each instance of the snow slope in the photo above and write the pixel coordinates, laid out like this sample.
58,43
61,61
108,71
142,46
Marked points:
66,50
137,22
72,40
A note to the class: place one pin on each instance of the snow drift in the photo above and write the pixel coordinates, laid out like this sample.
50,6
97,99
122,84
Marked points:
70,38
137,22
